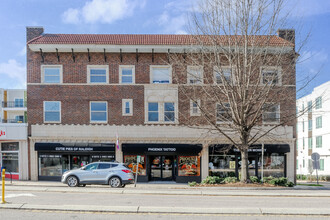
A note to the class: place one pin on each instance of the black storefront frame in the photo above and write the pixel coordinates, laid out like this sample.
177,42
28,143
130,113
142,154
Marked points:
254,151
175,150
73,149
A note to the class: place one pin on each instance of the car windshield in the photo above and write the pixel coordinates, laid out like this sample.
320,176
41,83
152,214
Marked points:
91,166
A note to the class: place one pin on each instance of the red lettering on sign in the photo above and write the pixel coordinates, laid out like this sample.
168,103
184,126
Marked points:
2,133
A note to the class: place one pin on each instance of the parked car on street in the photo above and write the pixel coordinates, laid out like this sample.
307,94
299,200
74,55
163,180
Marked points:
113,173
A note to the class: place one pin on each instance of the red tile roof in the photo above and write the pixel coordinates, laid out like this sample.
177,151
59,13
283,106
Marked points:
147,39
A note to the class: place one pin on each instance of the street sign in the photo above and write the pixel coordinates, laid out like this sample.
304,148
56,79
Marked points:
316,164
315,156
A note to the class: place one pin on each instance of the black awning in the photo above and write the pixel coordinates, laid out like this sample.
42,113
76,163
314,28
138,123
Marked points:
268,148
162,148
74,147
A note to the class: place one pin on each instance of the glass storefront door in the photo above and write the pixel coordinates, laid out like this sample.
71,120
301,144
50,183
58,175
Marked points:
161,167
252,164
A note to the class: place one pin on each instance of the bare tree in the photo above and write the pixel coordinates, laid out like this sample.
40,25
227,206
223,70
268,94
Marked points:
240,75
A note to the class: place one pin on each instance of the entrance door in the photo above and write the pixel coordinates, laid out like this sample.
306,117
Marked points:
161,168
252,163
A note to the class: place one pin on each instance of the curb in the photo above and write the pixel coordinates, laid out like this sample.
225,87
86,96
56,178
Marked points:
169,210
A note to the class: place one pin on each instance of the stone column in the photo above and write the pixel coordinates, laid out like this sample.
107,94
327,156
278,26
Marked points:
205,161
23,160
33,161
290,162
119,154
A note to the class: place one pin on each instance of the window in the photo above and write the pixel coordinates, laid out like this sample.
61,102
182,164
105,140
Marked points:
127,106
131,161
19,118
194,109
319,122
310,143
153,111
303,107
160,74
98,73
270,75
318,141
223,112
271,113
303,163
9,156
303,125
322,164
310,106
51,73
195,74
318,102
310,124
303,143
19,103
189,166
126,74
91,166
52,111
225,72
98,112
169,113
104,166
297,165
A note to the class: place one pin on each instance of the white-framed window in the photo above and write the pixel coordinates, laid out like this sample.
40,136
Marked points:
98,112
169,112
194,107
160,74
318,141
318,102
97,74
127,107
126,74
51,74
9,156
52,111
221,73
310,124
310,106
223,113
271,113
271,75
153,112
194,74
319,122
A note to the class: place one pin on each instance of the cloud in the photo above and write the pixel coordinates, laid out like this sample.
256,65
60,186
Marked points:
71,16
15,71
102,11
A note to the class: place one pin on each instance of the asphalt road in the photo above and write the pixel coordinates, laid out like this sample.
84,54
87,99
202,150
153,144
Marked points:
109,199
59,215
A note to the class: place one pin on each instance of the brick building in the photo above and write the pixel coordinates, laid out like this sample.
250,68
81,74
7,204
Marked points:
87,92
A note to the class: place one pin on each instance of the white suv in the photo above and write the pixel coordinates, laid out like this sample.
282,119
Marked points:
112,173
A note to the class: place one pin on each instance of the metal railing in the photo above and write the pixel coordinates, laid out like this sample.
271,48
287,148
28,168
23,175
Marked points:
13,104
13,121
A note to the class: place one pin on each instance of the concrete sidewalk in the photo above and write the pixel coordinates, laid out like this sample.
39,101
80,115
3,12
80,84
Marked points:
171,210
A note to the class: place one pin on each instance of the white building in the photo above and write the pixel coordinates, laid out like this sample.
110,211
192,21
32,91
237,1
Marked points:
313,130
13,133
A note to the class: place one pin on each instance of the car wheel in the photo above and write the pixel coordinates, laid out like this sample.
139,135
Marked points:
72,181
115,182
123,185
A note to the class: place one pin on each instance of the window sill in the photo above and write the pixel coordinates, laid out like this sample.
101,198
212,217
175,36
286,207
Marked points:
52,122
161,122
98,122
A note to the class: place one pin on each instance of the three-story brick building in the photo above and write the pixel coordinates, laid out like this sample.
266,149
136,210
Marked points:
113,97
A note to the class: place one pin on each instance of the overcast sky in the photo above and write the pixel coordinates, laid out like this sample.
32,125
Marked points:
138,17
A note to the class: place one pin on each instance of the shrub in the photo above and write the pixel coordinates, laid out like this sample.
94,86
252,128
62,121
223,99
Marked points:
230,180
254,179
192,183
212,180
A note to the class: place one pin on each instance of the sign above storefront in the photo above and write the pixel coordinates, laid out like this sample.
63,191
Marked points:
162,148
3,132
63,147
268,148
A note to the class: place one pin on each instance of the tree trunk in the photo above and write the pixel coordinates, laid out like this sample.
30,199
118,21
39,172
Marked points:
244,166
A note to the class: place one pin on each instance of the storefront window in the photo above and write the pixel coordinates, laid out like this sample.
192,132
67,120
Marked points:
222,165
273,165
53,165
189,166
9,156
131,162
